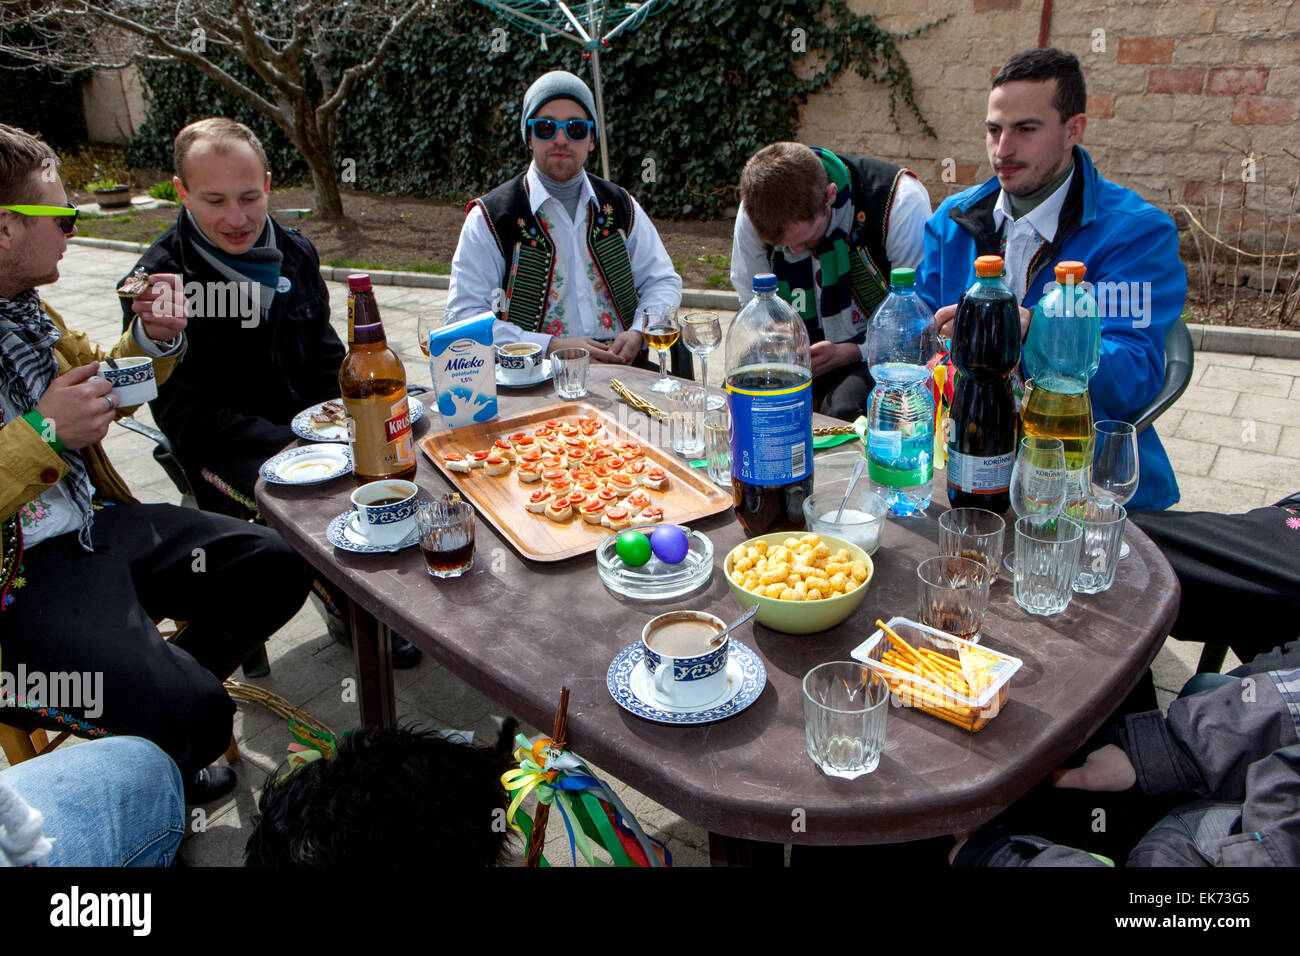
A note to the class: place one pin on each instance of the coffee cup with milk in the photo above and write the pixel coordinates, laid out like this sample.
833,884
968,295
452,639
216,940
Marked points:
519,361
688,671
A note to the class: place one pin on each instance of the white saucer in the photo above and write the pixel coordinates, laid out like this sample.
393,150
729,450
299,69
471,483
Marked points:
344,535
541,375
308,464
632,687
302,425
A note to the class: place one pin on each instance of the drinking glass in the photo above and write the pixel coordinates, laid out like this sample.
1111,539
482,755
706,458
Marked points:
701,334
1115,468
863,520
661,331
972,533
1047,559
423,326
1103,523
952,593
686,404
569,368
717,446
1038,480
446,537
844,711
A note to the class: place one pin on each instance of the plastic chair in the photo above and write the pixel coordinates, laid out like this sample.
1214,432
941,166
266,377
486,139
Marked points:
1179,360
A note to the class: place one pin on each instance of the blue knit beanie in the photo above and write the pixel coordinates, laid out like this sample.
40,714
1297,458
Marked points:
556,85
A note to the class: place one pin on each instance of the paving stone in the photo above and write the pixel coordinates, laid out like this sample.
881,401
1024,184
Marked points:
1283,366
1230,431
1246,380
1199,493
1265,408
1256,470
1288,445
1189,457
1201,399
1224,359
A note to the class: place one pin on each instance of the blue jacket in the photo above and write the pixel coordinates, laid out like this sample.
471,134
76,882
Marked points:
1121,238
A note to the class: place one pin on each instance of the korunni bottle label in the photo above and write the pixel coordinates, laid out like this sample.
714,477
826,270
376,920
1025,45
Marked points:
383,435
771,435
979,474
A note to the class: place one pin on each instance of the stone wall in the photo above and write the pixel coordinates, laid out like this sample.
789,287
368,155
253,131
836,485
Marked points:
1179,93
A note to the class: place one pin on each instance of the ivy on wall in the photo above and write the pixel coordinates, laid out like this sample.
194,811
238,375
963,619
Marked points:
689,96
43,102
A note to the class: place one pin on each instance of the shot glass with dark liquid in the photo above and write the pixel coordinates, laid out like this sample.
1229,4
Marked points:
446,537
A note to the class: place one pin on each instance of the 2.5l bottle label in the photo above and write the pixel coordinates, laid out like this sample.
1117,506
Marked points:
771,433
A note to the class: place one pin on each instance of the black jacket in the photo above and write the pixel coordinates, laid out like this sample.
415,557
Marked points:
233,396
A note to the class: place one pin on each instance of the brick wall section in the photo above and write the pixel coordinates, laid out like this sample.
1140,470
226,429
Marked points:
1169,83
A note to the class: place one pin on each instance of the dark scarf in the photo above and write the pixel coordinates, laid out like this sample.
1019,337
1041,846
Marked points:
27,340
259,266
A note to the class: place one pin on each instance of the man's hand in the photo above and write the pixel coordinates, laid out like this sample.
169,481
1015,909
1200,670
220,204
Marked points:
1107,768
79,405
161,307
600,351
829,355
945,316
627,346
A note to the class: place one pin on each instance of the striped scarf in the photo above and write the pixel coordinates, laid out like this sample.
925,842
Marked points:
27,339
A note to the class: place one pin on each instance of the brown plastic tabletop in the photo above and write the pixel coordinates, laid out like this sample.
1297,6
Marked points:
519,630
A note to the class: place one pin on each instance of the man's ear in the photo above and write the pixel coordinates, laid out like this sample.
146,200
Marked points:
831,193
7,231
1074,128
180,188
266,188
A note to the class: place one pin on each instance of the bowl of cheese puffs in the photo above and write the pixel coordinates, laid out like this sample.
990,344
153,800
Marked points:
802,583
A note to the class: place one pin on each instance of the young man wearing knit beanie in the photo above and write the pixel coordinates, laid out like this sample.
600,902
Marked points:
586,263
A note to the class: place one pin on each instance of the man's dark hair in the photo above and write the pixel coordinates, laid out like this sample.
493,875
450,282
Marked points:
1071,97
22,155
388,798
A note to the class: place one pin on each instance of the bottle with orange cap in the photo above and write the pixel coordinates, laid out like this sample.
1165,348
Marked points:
1062,353
983,423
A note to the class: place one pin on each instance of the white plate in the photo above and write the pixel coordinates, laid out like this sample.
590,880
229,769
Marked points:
303,428
542,374
343,534
632,687
308,465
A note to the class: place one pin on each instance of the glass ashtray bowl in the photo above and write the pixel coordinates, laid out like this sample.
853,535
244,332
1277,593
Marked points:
656,580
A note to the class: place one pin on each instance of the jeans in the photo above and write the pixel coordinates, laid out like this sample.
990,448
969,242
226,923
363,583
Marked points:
117,801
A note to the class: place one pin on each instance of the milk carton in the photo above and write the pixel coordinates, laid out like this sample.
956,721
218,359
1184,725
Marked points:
463,368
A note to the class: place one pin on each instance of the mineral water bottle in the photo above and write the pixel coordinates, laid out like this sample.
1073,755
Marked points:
901,341
1061,354
769,394
983,422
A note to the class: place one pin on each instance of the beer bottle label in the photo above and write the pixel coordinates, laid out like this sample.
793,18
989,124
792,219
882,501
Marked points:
980,474
771,435
382,442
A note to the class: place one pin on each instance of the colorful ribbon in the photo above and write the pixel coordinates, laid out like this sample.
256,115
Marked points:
593,814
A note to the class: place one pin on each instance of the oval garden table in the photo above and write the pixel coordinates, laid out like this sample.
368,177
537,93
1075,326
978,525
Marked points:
518,630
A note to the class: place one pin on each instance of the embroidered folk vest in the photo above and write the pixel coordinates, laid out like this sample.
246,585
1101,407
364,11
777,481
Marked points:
529,251
874,183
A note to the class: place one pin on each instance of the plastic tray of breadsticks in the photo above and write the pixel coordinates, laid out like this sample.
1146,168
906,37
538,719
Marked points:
963,683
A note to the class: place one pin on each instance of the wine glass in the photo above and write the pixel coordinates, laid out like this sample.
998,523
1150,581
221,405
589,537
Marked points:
1038,481
661,331
423,326
701,334
1115,468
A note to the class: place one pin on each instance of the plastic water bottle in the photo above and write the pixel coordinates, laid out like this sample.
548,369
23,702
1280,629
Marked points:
769,393
901,341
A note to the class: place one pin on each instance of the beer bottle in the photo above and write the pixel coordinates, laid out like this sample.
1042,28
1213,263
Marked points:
372,382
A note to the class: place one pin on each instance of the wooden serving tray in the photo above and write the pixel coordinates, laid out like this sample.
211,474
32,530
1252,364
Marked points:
501,499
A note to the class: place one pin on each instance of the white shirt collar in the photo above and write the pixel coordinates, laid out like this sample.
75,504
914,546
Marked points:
1043,217
537,193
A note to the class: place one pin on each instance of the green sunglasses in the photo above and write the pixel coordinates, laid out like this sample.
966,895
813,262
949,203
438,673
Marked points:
65,216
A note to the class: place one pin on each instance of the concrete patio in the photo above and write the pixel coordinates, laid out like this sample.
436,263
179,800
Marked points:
1234,439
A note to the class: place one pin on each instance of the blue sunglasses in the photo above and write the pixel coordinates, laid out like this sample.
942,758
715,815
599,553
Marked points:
545,129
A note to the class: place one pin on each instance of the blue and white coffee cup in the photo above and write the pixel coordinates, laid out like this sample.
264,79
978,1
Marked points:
133,380
519,360
385,510
691,677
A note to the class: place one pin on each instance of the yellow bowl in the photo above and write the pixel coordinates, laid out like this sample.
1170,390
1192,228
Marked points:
802,617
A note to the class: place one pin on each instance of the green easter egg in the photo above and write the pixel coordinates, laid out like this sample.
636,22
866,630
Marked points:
633,548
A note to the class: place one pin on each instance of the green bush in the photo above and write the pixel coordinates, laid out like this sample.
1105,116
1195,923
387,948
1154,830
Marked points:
90,167
165,190
689,94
